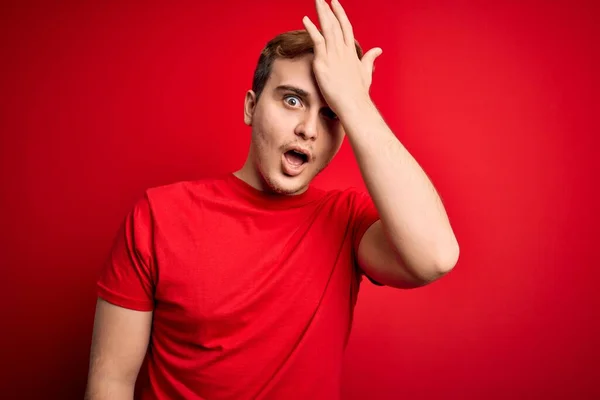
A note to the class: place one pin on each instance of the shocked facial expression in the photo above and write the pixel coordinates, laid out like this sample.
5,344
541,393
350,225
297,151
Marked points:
295,134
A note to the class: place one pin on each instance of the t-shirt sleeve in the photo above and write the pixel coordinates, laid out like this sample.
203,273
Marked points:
365,215
127,278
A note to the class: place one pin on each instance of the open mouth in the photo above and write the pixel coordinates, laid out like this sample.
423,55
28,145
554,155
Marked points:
296,158
293,162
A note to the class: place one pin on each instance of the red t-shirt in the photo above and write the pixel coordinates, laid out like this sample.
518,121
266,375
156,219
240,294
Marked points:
253,295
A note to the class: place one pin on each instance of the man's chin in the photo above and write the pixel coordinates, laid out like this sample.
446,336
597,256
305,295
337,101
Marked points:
288,185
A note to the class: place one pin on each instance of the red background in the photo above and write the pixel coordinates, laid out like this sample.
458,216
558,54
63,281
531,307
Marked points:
498,102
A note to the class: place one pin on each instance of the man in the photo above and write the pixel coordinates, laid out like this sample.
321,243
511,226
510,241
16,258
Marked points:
244,286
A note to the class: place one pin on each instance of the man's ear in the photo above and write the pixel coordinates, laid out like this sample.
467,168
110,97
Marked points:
249,107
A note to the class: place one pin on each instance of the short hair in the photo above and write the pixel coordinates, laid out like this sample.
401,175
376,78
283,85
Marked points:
288,45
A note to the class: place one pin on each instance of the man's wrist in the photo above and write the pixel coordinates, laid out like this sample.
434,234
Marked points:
358,113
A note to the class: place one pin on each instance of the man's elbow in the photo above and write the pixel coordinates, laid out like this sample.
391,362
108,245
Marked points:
445,261
436,267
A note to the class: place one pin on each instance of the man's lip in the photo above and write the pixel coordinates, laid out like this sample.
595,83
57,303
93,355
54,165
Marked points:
290,169
307,153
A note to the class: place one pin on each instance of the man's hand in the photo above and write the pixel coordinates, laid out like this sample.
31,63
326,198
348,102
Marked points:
343,78
413,244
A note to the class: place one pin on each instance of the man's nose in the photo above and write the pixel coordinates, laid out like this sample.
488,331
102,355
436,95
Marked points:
308,127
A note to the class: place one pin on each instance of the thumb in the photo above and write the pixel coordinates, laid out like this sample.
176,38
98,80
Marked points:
369,58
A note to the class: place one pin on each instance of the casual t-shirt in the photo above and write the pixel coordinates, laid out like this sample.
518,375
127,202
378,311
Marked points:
252,294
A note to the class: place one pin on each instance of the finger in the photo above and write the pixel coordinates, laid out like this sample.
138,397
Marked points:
345,24
315,35
332,31
368,59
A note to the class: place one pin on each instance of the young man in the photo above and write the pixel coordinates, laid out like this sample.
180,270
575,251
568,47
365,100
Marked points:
244,286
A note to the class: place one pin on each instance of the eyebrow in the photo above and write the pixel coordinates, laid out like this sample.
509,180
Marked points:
294,89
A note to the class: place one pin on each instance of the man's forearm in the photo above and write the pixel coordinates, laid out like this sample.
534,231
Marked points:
410,208
109,389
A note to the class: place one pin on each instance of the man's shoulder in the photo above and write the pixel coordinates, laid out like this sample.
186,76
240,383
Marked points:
182,194
185,188
347,195
346,203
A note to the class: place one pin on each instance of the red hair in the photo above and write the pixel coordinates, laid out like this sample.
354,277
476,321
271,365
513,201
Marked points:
289,45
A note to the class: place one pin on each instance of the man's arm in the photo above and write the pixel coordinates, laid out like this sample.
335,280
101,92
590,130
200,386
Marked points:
119,343
413,243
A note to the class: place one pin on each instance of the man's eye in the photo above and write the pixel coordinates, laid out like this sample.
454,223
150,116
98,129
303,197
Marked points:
292,101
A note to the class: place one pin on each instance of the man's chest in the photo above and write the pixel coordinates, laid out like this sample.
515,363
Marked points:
251,274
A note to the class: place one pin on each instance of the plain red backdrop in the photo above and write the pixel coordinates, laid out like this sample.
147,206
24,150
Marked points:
497,101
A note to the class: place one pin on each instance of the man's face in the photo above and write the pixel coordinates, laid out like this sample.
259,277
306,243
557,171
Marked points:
294,133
